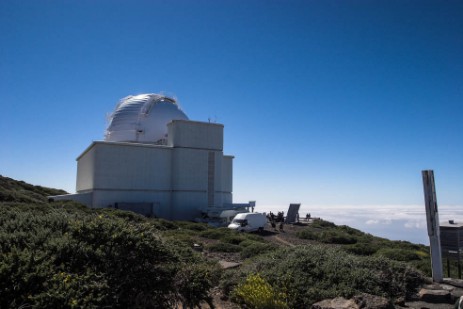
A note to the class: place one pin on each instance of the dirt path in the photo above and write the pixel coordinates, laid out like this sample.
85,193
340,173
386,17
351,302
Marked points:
283,241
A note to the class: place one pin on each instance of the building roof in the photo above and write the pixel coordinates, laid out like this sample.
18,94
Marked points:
451,224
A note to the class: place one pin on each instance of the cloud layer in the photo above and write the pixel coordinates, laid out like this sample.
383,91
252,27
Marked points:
397,222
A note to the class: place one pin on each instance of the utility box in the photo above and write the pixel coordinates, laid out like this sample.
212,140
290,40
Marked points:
451,239
451,236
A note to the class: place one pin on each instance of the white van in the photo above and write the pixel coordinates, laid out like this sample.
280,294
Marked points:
248,222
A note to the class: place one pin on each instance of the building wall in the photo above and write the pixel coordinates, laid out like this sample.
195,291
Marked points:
227,198
227,174
160,200
189,170
124,166
218,199
85,170
188,205
192,134
83,198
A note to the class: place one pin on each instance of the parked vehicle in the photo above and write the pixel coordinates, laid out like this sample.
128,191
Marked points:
248,222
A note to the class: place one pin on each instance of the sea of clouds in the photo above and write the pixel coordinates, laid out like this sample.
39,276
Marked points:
396,222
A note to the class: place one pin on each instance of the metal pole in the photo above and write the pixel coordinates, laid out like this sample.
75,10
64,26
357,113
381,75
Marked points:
448,267
432,218
459,265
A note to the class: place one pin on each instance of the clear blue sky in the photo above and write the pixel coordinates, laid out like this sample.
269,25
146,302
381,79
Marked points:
323,102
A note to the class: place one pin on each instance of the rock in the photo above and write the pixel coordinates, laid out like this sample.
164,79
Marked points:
369,301
336,303
457,293
197,247
435,296
228,265
400,302
447,287
432,286
454,282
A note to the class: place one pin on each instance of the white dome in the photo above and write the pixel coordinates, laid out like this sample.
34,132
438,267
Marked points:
143,118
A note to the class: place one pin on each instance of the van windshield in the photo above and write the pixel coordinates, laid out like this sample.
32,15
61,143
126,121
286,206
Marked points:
242,222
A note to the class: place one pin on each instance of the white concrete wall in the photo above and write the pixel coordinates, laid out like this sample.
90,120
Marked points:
132,167
188,205
83,198
161,200
218,200
193,134
189,170
227,198
189,183
85,170
127,173
227,174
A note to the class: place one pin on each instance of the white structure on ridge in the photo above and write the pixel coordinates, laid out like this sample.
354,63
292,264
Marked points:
157,162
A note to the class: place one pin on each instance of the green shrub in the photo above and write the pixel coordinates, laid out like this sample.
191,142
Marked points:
216,233
20,192
223,247
193,283
320,223
192,226
163,224
336,237
61,256
399,254
361,248
257,293
307,274
235,239
126,215
180,236
252,248
307,234
329,236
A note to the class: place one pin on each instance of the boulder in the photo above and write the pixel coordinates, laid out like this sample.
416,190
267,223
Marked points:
454,282
336,303
435,296
369,301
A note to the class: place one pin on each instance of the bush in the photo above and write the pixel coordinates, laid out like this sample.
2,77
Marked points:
336,237
308,274
234,239
257,293
307,234
330,236
223,247
253,248
362,248
215,233
320,223
399,254
192,226
63,257
193,283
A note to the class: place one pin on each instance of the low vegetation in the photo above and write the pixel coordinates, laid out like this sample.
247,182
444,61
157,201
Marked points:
18,191
65,255
302,275
360,243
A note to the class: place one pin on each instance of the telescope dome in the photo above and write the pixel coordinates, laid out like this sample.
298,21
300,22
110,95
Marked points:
143,118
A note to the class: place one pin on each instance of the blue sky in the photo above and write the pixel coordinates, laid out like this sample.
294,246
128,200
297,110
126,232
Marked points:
323,102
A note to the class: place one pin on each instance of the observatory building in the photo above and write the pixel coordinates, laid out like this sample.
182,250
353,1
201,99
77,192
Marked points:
157,162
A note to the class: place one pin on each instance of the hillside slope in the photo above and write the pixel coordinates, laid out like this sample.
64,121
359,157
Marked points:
63,254
19,191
